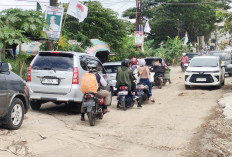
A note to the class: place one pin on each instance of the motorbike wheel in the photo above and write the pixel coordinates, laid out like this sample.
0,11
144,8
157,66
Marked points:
159,84
164,82
91,116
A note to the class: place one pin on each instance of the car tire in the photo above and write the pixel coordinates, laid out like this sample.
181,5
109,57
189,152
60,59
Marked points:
230,74
187,87
35,105
15,114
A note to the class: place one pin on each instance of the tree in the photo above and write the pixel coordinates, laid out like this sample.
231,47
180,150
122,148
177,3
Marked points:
18,26
175,17
101,23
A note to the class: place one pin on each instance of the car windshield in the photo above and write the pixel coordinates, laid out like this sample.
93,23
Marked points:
190,56
111,68
223,55
204,62
149,61
53,62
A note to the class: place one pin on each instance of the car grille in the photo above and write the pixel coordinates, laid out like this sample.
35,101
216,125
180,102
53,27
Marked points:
209,78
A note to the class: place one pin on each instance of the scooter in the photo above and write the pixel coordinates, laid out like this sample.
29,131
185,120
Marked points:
124,100
184,66
158,80
142,92
93,107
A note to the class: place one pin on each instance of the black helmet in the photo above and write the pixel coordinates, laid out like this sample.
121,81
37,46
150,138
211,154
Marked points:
92,66
125,62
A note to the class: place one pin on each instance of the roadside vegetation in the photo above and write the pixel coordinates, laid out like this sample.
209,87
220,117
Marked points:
168,23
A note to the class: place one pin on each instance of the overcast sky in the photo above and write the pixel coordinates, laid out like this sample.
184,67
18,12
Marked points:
116,5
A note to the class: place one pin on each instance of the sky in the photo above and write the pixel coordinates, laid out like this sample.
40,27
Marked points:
117,5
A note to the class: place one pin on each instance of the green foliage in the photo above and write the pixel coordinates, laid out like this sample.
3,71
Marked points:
15,64
175,19
127,50
101,23
171,51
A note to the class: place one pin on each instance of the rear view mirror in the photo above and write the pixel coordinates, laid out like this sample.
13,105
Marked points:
4,67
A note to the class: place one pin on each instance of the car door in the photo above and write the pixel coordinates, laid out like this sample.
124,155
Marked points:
3,93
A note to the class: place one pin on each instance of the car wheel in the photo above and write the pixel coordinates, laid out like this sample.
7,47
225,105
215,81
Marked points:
230,74
35,105
187,87
15,115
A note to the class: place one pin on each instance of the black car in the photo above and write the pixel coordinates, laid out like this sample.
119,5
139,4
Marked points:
14,97
226,59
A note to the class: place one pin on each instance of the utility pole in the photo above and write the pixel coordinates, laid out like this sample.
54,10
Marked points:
139,26
50,45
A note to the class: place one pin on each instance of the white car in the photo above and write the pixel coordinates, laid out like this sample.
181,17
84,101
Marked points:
205,71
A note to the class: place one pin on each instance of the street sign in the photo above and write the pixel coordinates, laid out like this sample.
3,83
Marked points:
139,38
54,16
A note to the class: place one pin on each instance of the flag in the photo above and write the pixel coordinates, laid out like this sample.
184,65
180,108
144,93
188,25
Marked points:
77,10
38,7
186,38
147,28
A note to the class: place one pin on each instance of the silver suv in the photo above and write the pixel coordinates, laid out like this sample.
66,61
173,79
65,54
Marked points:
55,76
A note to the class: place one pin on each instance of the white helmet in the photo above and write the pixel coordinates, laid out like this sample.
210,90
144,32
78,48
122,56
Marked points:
183,54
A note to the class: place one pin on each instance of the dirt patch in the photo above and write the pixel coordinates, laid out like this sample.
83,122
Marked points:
213,138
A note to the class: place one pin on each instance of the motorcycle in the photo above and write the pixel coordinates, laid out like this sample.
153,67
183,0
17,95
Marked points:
142,91
158,80
184,66
93,107
124,100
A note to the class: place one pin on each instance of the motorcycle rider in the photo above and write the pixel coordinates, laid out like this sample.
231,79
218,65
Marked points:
157,67
92,68
184,59
133,64
143,73
125,76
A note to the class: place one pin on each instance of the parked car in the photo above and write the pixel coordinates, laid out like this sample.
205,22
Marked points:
205,71
55,76
14,97
226,59
111,71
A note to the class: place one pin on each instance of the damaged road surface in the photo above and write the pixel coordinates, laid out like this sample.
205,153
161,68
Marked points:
164,128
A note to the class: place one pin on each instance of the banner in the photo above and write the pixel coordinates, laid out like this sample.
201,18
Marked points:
139,38
54,16
77,10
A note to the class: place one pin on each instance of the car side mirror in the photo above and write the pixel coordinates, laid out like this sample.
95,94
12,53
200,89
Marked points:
4,67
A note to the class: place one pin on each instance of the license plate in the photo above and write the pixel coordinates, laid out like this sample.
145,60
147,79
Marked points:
123,93
50,81
201,79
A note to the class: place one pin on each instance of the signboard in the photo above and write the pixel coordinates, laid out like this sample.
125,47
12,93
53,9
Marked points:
139,38
54,16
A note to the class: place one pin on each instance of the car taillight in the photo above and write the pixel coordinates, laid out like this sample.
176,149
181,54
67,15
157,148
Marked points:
75,76
29,74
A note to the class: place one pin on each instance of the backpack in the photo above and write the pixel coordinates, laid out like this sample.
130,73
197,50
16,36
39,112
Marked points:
89,83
